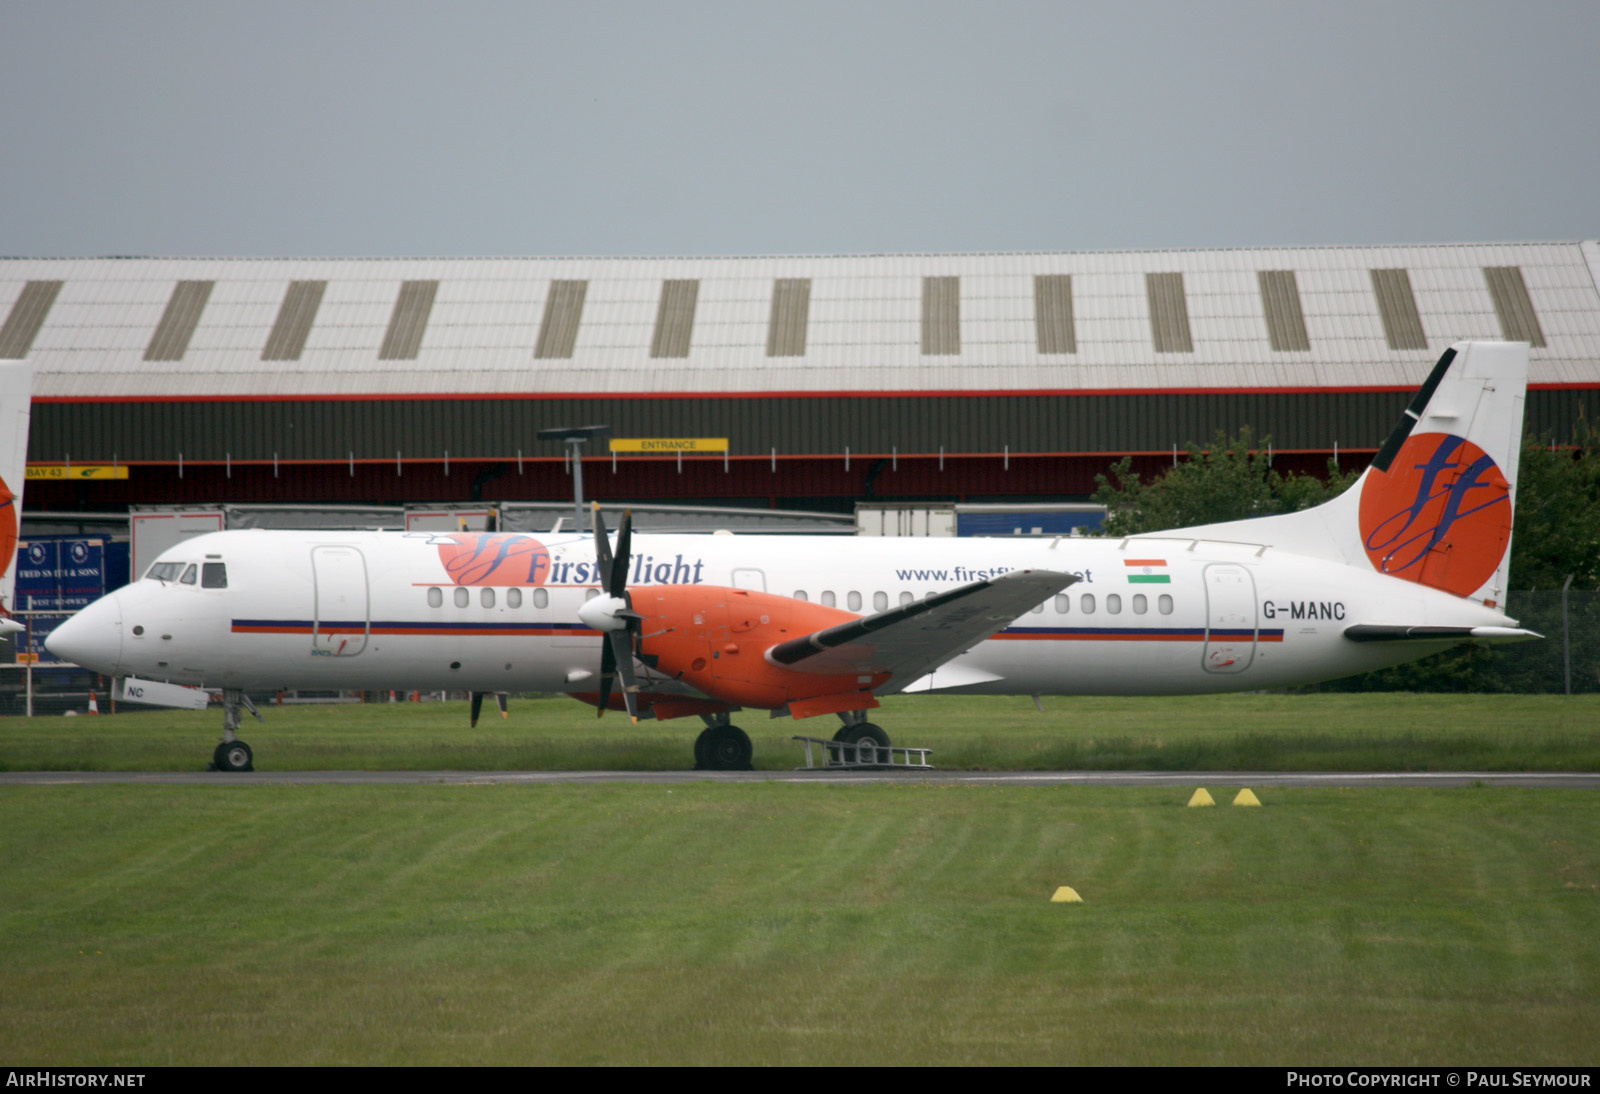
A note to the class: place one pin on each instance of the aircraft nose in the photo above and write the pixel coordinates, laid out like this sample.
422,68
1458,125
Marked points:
92,638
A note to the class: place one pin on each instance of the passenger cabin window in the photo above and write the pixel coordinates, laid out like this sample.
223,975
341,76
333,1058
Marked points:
828,599
1063,603
165,571
1113,603
853,601
513,598
1087,603
906,598
1140,604
541,599
800,594
189,574
214,575
1038,609
1165,604
486,598
462,597
590,594
436,597
880,601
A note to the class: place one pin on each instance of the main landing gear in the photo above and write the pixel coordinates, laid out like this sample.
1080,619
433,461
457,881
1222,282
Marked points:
722,746
233,754
872,743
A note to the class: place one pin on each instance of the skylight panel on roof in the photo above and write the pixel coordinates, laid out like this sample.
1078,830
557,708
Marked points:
295,316
184,307
674,319
563,311
791,310
27,316
1397,304
941,315
1052,313
1169,313
1518,321
403,340
1280,300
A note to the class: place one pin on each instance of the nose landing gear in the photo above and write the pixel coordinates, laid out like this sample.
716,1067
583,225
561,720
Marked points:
233,754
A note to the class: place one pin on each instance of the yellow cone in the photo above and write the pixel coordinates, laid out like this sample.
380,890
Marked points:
1246,797
1066,895
1200,797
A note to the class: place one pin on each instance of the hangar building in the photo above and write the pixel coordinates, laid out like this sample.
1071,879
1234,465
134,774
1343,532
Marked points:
962,377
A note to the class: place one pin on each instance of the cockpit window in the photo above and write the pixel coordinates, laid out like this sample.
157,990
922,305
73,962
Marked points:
188,575
214,575
165,571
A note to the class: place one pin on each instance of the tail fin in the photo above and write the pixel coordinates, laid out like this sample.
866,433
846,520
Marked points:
1435,506
16,401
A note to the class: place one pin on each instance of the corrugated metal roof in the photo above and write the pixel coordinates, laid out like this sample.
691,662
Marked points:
863,330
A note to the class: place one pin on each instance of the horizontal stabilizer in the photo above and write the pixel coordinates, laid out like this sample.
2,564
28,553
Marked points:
1381,632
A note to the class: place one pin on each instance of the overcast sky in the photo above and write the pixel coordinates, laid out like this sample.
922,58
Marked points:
679,128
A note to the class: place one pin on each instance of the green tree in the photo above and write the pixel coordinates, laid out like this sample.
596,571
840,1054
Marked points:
1556,530
1231,480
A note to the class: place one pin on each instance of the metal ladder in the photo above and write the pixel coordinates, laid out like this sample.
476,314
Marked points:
865,754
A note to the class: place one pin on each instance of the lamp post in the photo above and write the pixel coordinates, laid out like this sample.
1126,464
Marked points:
574,438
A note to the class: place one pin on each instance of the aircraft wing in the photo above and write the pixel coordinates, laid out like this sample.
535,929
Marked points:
912,640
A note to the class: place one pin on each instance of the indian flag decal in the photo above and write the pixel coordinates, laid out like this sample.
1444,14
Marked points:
1147,571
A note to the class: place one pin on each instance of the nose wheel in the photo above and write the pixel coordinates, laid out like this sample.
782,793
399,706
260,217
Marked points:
233,755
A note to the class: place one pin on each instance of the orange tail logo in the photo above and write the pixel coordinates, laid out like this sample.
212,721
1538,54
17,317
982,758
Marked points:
1440,516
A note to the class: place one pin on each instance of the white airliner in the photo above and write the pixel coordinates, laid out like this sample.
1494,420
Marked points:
1411,560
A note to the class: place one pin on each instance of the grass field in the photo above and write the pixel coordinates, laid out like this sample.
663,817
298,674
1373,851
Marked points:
777,923
1227,732
796,924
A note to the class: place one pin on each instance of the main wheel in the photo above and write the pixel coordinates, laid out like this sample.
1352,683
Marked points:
872,742
701,762
233,756
727,748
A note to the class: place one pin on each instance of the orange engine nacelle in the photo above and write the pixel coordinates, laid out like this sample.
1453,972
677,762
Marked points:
716,639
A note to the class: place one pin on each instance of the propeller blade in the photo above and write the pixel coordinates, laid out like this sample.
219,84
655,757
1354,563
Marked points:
622,657
617,584
502,700
602,545
477,707
608,672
